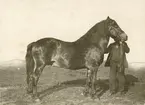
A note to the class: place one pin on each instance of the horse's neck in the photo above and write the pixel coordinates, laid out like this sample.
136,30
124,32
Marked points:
97,35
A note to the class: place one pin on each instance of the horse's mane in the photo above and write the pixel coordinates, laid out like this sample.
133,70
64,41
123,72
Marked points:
99,27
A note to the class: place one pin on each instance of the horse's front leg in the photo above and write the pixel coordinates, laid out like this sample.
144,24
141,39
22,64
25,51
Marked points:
88,83
93,81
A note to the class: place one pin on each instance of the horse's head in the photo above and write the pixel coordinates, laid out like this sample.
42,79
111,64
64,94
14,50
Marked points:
115,31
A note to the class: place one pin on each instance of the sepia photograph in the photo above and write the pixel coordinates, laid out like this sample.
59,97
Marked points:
72,52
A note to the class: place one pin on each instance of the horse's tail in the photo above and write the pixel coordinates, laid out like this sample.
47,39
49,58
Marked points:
29,59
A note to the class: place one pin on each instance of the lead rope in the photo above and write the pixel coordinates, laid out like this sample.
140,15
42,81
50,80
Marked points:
121,55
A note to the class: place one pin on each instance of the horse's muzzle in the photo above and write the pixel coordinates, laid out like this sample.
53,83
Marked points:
123,37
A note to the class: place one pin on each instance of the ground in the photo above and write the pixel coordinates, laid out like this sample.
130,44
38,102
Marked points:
64,87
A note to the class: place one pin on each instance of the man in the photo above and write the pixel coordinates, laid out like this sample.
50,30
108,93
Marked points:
117,62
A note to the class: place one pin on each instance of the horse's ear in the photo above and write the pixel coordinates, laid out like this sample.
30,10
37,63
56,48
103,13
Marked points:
108,18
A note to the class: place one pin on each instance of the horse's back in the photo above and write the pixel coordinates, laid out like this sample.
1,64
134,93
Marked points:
54,50
62,54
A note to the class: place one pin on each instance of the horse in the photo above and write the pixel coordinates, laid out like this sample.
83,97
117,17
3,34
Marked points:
85,53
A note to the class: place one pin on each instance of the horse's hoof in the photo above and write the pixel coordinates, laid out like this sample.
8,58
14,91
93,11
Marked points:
98,97
85,93
29,91
122,93
92,96
112,93
37,100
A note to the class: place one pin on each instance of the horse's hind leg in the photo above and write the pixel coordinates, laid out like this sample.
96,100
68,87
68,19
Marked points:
38,68
29,72
29,83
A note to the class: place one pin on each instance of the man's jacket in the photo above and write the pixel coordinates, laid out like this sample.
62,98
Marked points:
117,54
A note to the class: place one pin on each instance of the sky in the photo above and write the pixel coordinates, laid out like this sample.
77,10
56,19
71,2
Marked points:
25,21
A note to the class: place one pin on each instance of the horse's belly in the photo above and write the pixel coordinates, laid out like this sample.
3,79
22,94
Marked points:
62,55
60,61
73,64
69,61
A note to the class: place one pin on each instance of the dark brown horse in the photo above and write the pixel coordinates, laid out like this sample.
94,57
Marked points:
86,52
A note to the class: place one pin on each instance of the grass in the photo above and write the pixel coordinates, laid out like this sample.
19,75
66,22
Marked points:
64,87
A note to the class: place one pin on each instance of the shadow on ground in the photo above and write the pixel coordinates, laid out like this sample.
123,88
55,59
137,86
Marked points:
130,81
101,85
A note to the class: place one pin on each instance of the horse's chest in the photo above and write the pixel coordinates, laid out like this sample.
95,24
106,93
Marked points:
94,57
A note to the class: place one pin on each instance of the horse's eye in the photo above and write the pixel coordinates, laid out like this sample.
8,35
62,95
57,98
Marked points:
113,22
116,26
